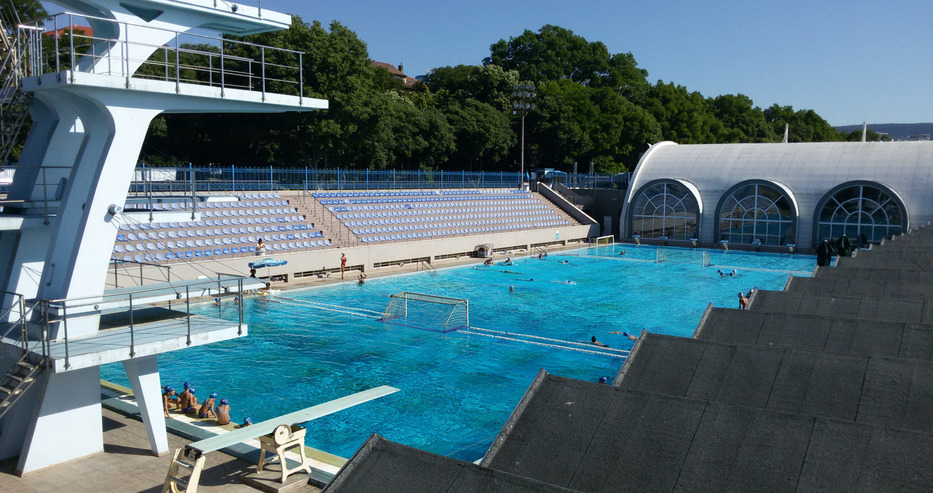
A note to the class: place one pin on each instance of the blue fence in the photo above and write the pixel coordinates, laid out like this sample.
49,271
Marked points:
233,179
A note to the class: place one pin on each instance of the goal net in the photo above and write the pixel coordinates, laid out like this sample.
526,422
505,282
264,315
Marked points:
605,241
427,312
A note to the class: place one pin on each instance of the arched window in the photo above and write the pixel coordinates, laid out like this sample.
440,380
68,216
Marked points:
865,212
665,208
753,212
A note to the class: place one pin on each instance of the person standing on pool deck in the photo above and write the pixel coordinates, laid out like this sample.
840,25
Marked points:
223,412
343,264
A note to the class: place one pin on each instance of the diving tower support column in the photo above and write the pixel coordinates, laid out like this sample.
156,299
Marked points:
74,172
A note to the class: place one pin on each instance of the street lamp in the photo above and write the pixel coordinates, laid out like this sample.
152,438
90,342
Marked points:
523,102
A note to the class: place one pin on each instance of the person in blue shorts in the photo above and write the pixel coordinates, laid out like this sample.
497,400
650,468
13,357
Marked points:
192,407
207,407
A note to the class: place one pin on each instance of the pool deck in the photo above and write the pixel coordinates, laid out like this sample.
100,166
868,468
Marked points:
126,464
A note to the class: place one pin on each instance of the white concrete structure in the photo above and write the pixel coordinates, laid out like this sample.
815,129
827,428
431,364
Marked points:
90,115
779,194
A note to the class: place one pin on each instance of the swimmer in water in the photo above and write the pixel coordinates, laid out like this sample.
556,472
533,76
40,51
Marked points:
511,289
597,343
488,261
622,252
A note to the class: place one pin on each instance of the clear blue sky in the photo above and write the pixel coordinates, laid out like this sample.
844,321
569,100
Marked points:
849,61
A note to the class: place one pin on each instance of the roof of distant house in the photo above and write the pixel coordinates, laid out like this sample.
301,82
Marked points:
407,81
79,30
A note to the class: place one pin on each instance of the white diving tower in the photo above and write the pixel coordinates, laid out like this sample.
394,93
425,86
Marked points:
94,95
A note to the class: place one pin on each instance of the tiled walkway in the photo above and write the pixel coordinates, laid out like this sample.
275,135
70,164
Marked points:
127,465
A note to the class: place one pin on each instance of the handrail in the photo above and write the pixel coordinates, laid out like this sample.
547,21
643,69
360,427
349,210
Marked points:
84,58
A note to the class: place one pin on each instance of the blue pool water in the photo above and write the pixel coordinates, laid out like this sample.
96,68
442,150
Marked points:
309,346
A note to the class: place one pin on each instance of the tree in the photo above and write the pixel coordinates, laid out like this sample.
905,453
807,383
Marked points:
741,120
483,134
804,125
490,84
22,11
555,53
684,116
585,124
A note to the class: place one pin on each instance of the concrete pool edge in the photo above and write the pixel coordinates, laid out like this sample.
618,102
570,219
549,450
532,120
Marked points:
117,398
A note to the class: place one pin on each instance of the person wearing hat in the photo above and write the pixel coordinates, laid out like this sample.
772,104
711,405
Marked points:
183,397
223,412
167,399
246,422
603,380
192,407
207,407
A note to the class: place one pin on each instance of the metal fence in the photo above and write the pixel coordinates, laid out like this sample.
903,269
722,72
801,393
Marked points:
234,179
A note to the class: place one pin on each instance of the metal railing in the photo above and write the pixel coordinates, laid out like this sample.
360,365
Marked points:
57,45
60,311
121,268
16,317
173,180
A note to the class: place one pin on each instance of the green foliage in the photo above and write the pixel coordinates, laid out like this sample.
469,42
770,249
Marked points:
592,107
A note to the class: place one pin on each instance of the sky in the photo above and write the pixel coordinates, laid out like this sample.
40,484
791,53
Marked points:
850,61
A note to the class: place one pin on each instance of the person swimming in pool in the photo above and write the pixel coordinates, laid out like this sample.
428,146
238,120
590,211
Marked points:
508,261
488,261
597,343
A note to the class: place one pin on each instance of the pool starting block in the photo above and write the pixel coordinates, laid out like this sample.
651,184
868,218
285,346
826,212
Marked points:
278,434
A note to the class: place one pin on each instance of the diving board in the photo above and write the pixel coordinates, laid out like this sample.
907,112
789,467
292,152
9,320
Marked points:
257,430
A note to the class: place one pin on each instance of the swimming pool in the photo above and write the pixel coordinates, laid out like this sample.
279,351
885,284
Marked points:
457,389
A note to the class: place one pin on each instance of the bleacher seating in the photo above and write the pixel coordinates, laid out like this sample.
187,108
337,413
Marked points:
379,216
232,226
227,228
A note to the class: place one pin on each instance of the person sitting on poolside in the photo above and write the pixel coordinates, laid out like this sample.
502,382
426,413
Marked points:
167,400
192,403
183,397
207,407
597,343
488,261
223,412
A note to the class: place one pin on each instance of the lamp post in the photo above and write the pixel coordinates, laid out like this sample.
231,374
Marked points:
523,102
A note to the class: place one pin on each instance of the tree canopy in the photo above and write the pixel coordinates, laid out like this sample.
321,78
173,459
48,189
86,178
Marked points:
593,107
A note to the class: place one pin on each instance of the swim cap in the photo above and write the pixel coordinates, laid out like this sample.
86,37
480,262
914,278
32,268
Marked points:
625,334
223,402
213,395
191,389
603,379
247,421
169,388
187,385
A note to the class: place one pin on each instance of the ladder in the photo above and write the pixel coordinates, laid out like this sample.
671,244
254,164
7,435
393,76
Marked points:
176,484
16,381
14,103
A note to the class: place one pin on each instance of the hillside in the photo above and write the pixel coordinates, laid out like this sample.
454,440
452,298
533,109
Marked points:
897,131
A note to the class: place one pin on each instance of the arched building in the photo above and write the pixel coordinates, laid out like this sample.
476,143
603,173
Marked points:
779,194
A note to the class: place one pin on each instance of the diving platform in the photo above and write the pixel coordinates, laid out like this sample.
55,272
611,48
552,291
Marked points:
173,330
257,430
